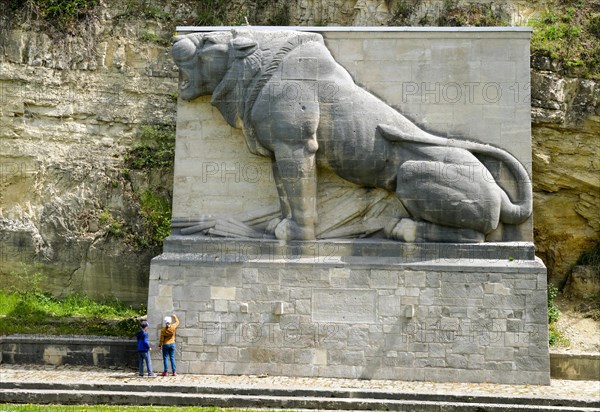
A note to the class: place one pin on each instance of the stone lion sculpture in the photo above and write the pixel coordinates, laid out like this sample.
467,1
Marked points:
351,132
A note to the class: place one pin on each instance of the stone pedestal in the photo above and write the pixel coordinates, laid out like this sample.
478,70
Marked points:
369,309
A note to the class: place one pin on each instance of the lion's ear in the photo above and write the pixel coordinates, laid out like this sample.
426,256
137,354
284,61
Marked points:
243,46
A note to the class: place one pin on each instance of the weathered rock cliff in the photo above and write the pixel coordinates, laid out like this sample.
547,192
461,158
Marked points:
76,99
73,107
566,166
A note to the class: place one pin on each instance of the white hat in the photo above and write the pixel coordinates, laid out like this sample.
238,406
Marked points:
166,320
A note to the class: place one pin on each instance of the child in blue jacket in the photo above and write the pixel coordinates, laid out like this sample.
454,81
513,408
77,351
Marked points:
143,347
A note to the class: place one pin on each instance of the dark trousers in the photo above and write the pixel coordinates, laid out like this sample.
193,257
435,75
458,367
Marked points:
144,356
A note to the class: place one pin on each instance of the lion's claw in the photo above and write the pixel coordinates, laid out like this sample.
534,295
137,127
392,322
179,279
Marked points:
287,229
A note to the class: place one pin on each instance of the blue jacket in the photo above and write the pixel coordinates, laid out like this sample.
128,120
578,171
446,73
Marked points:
142,341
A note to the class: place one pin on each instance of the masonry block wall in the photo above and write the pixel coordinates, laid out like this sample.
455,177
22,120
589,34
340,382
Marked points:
452,320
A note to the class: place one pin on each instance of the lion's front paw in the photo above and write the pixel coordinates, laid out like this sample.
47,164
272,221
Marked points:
405,230
287,229
272,225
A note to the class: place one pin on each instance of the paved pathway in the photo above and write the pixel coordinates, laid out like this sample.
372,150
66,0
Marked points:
559,389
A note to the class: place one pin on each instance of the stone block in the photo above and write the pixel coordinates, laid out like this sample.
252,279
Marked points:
475,361
358,337
464,348
358,279
532,363
399,359
504,302
457,361
415,279
224,293
390,306
465,290
344,305
432,280
495,354
228,354
221,305
430,363
383,279
496,289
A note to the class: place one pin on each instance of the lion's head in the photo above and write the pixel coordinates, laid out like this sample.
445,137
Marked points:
203,60
233,67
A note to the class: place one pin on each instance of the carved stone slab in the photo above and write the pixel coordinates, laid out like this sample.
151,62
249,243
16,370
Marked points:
396,112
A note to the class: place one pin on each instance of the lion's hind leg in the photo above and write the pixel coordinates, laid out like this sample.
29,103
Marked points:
411,231
447,201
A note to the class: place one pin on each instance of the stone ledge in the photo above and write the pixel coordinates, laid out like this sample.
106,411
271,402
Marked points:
575,366
447,265
377,29
246,249
104,351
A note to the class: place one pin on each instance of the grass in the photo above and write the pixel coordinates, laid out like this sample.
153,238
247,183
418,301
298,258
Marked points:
569,32
35,312
478,15
555,336
156,148
151,37
63,15
156,211
110,408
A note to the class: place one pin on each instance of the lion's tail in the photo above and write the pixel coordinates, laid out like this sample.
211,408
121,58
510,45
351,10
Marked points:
510,212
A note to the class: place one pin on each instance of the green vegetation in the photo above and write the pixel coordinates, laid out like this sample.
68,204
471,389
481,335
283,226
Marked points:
555,337
135,9
472,15
553,312
111,224
401,12
151,37
211,13
594,25
156,148
29,278
60,14
266,13
24,308
36,312
156,211
568,32
155,152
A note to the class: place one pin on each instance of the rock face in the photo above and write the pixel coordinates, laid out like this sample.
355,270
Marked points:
566,166
72,106
583,283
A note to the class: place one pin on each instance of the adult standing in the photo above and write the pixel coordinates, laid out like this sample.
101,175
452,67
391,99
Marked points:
167,343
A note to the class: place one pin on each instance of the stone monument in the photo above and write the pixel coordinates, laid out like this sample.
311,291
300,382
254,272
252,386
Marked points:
354,203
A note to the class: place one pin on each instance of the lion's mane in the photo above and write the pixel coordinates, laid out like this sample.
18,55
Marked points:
246,77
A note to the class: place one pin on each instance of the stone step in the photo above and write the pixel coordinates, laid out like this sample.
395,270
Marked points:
237,397
575,366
